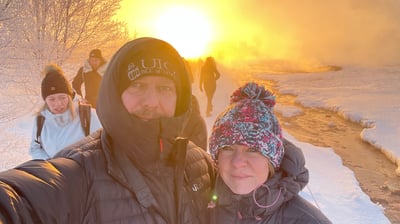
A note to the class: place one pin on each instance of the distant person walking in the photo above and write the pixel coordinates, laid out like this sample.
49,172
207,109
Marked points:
61,124
208,80
90,74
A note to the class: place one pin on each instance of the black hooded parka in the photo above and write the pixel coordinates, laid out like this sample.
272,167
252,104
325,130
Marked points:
132,171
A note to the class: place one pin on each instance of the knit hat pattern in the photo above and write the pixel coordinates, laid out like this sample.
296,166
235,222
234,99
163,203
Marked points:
55,82
249,121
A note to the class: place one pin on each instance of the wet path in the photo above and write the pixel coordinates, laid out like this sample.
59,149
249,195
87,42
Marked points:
375,173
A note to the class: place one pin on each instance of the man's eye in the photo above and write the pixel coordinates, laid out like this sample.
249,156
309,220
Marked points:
166,88
137,86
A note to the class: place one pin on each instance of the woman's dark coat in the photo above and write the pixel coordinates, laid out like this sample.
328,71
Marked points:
277,202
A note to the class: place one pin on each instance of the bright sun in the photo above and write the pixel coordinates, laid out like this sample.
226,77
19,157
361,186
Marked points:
186,29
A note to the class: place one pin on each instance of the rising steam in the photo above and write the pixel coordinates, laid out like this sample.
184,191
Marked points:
340,32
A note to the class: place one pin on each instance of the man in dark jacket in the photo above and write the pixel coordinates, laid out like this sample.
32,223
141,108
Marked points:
90,74
137,169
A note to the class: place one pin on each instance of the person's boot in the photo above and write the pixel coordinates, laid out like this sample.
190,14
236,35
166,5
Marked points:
209,109
208,112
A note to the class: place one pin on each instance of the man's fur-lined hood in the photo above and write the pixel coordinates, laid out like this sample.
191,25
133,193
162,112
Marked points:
88,68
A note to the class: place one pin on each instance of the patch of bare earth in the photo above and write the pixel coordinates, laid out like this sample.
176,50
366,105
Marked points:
374,172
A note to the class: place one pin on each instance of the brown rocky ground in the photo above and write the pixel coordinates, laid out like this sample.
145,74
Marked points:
374,172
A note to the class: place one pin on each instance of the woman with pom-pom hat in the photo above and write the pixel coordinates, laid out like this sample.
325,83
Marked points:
61,125
260,173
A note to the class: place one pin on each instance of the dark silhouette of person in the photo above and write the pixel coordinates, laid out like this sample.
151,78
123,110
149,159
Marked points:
90,74
208,80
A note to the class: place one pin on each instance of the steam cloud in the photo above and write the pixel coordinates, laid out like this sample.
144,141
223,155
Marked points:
340,32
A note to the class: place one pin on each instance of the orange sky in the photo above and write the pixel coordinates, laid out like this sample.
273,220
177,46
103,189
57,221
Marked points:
331,32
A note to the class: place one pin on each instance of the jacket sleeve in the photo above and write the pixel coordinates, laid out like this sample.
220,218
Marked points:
40,191
78,81
216,72
35,150
201,79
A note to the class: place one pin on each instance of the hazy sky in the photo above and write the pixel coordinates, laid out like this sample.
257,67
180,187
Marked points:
331,32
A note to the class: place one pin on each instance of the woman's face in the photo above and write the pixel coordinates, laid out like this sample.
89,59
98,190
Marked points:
57,103
243,169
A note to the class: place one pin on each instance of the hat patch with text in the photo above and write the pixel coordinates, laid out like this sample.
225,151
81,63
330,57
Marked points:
153,66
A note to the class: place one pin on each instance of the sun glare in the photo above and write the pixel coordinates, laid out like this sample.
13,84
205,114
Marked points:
187,29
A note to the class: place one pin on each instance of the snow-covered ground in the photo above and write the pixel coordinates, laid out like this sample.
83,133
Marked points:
366,95
369,96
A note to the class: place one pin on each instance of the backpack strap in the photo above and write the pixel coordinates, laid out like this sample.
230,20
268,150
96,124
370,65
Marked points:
84,116
39,126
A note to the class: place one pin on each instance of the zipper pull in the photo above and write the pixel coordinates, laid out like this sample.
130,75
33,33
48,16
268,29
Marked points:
161,145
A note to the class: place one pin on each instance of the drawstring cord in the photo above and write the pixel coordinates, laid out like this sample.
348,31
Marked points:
266,206
239,215
312,195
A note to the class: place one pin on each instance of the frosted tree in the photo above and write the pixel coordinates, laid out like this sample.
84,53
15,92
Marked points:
46,31
5,17
52,30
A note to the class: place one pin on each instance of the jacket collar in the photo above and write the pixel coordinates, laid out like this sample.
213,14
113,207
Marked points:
88,68
119,166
